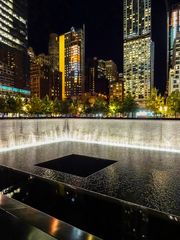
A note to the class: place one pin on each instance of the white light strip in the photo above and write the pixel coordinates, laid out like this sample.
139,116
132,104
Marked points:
126,145
7,149
59,140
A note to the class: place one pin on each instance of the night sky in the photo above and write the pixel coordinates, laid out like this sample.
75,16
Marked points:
103,21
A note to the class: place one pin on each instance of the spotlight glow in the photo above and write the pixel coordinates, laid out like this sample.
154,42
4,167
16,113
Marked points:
105,143
59,140
7,149
127,146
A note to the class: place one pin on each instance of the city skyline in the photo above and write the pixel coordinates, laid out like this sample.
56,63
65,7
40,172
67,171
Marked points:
97,17
104,25
89,119
144,39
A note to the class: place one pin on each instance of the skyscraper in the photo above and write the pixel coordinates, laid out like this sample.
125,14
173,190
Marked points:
138,49
45,80
54,50
13,40
72,62
96,78
14,23
174,73
174,28
174,53
116,88
111,71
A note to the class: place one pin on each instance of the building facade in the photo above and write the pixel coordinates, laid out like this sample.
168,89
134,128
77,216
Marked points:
13,41
174,28
174,73
6,75
174,49
97,74
111,71
72,62
138,49
116,88
53,50
44,79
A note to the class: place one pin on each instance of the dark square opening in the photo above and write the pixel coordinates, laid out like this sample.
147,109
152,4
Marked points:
78,165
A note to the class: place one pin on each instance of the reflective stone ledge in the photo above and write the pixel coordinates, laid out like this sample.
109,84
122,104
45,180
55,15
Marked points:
13,228
23,222
102,216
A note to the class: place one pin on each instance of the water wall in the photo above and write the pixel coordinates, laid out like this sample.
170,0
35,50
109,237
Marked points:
30,132
148,134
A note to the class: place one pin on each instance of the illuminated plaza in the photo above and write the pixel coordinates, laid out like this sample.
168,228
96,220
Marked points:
89,120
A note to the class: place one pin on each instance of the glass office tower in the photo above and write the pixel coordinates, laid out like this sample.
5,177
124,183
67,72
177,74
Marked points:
174,28
72,62
174,48
14,40
13,23
138,49
53,50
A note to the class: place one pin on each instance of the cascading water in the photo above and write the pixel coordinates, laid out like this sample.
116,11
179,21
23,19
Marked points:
147,134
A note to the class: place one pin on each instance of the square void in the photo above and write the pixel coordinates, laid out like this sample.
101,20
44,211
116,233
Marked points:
78,165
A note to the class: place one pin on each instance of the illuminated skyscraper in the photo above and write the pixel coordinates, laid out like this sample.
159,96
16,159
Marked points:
13,40
54,50
138,48
14,23
6,75
116,88
174,74
44,79
97,81
174,28
174,38
111,71
72,62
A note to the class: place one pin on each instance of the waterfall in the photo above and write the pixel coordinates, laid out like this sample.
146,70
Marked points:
146,134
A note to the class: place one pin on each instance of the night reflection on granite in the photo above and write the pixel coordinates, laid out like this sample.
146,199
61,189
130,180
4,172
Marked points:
80,210
148,178
25,222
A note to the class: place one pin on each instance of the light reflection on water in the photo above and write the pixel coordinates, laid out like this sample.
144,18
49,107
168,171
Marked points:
149,178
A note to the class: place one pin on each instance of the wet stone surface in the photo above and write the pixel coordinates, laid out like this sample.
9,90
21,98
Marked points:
148,178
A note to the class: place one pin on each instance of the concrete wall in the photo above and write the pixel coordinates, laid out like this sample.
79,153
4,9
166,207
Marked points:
160,134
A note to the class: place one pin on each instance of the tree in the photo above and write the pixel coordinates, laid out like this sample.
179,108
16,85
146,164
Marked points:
47,105
19,104
73,106
11,104
65,107
76,108
88,103
57,106
100,106
155,102
115,106
2,104
129,105
173,103
35,105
